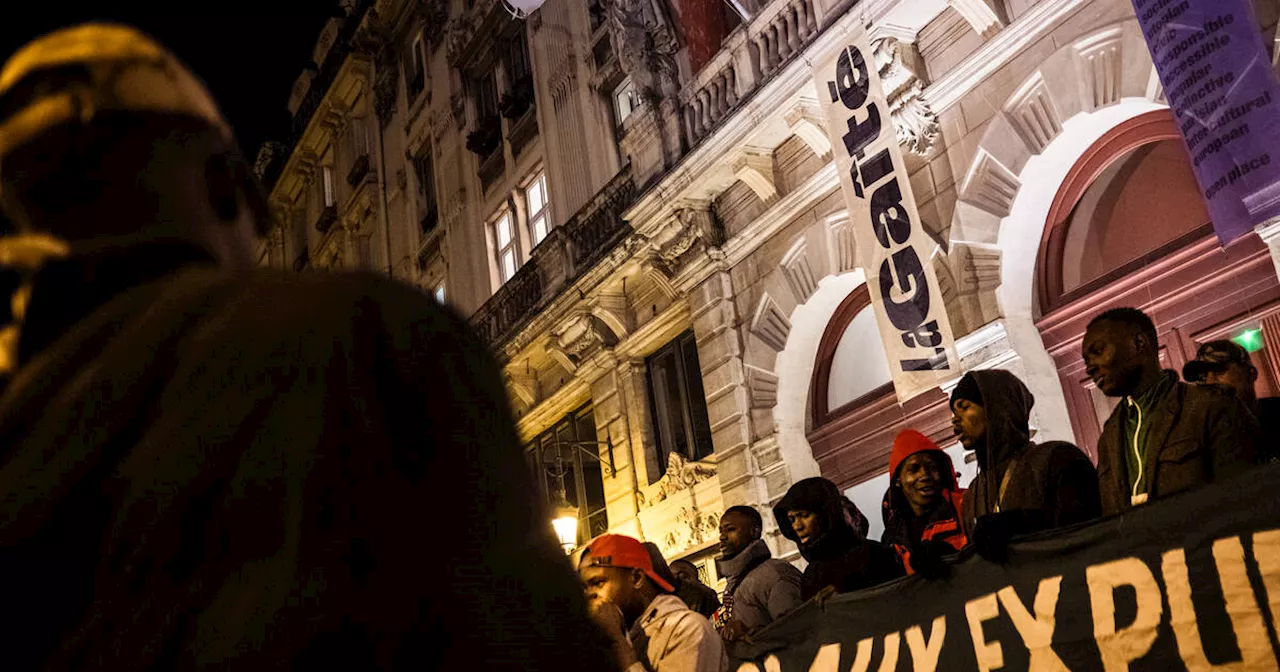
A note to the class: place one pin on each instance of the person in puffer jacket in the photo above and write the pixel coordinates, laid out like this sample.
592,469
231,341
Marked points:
923,506
831,534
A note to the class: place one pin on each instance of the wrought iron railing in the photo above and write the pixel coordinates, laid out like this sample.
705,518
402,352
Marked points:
567,253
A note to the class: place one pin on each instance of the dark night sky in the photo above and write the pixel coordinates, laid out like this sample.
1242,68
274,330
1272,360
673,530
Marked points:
249,59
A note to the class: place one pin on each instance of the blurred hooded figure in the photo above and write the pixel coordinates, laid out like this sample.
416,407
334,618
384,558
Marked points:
209,465
832,535
1021,486
923,506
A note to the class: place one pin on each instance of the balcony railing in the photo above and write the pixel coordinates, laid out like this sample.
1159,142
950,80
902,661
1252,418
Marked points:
748,59
566,254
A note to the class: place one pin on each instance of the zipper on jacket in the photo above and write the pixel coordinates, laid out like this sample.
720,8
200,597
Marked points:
1136,431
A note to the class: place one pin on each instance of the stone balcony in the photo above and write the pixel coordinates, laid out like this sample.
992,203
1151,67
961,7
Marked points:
568,252
751,55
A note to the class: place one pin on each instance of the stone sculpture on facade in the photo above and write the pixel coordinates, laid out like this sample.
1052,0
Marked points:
681,475
645,43
902,78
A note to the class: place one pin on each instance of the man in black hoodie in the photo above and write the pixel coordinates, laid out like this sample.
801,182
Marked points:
1021,486
832,536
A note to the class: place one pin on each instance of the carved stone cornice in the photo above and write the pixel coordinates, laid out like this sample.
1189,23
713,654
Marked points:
579,337
902,76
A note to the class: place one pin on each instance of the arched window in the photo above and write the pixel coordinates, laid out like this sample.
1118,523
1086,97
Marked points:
851,364
1131,200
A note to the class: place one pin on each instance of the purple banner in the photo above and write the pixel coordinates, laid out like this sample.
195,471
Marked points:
1219,81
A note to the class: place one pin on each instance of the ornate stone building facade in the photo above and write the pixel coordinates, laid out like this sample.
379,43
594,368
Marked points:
635,204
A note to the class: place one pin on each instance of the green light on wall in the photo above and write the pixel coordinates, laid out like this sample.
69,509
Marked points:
1250,340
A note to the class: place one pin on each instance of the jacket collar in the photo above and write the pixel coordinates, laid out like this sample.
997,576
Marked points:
659,608
755,553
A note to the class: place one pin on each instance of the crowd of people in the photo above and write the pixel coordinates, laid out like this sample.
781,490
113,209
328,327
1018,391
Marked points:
207,464
1166,436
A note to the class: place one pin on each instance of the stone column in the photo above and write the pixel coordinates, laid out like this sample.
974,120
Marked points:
715,325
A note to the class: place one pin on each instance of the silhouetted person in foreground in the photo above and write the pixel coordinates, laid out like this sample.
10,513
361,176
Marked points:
1227,363
689,587
1021,486
206,465
1166,436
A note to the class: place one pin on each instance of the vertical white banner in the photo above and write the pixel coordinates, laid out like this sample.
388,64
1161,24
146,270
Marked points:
893,247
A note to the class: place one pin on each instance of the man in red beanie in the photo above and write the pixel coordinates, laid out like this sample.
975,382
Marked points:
652,630
922,508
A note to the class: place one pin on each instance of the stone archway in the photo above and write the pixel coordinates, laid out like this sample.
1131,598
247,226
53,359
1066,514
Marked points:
1086,88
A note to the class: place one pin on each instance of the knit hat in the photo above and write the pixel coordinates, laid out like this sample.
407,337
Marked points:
908,443
968,390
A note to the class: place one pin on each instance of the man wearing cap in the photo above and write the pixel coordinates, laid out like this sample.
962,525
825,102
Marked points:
652,630
207,465
1226,363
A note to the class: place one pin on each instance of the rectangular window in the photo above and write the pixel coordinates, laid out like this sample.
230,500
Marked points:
327,185
678,403
439,293
504,238
422,165
518,59
415,74
625,100
536,200
486,93
569,453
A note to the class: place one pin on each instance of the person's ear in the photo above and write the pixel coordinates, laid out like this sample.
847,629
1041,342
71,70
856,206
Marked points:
1253,374
223,190
637,578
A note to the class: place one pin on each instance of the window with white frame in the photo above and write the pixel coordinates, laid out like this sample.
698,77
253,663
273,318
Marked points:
625,100
327,181
504,238
415,72
538,207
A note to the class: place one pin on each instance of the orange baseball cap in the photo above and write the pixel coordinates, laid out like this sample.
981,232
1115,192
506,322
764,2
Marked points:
616,550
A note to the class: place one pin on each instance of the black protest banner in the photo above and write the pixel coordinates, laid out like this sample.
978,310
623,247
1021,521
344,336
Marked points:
1187,583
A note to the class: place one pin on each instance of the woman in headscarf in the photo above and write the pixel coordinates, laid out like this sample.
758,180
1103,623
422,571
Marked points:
831,534
923,505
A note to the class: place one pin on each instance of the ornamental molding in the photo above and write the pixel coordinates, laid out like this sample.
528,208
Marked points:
681,475
901,75
699,528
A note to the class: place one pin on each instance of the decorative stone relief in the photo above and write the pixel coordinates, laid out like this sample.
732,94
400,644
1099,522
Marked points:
458,107
457,35
646,45
681,475
1100,67
1033,115
695,224
799,272
577,338
770,324
982,15
700,528
901,75
991,186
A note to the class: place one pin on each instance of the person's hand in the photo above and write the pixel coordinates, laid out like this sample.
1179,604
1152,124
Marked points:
609,617
928,559
992,533
736,631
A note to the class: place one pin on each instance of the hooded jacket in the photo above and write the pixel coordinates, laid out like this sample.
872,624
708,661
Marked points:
841,556
902,529
1054,480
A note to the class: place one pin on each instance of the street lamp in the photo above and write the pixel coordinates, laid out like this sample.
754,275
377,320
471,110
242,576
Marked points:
564,518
